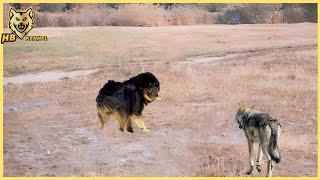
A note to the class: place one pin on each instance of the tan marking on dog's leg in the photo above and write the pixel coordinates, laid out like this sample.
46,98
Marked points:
122,124
104,116
129,126
139,122
259,156
122,121
251,157
102,122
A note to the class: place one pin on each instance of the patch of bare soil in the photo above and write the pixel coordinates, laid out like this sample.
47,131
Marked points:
46,76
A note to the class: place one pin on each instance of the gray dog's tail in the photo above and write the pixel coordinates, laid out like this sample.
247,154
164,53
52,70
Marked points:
273,142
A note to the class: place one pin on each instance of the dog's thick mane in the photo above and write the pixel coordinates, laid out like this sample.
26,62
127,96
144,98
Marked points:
112,86
139,80
134,78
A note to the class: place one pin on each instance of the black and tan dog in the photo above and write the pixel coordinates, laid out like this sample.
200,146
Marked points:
126,100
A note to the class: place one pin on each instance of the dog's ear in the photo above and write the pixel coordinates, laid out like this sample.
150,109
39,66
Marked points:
241,108
12,12
241,105
30,12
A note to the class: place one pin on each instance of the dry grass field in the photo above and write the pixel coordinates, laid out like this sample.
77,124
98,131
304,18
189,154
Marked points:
50,128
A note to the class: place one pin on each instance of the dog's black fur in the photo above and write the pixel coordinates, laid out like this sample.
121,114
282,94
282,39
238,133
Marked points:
127,98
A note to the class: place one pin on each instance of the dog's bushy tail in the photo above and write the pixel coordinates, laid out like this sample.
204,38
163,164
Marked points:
273,142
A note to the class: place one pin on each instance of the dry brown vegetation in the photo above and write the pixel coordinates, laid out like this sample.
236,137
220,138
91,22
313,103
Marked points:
127,15
50,129
52,15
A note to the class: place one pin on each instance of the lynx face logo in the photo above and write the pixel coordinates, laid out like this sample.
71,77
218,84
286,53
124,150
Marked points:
21,22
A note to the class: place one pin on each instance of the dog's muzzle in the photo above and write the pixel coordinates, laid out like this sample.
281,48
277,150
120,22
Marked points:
21,27
152,92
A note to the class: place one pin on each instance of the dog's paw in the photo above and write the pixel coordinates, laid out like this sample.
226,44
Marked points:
121,129
130,130
249,171
146,130
259,167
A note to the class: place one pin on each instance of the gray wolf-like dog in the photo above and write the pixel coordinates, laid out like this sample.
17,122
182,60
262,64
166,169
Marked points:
261,128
